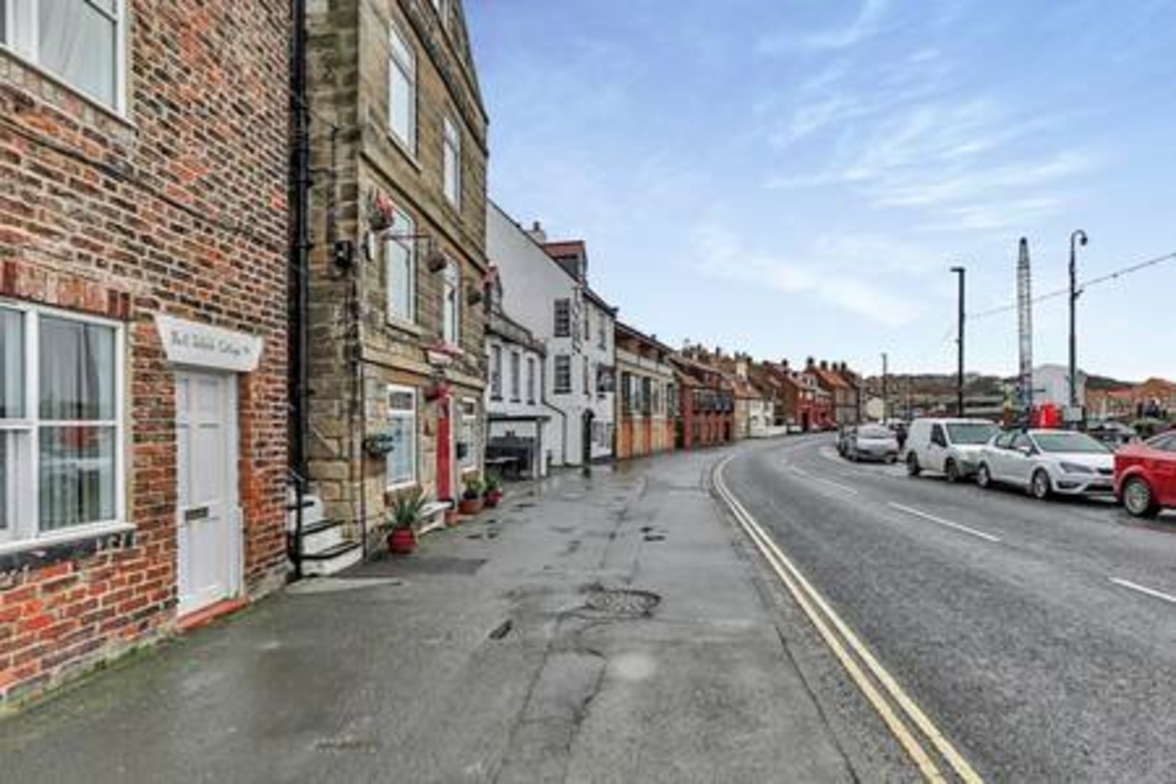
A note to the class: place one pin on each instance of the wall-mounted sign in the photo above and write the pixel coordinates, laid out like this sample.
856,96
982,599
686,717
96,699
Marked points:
200,345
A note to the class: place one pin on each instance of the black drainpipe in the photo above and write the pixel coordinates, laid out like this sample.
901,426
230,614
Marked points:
299,284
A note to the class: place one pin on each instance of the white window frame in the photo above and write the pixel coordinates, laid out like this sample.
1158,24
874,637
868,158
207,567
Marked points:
451,305
468,417
408,69
557,388
401,233
22,28
451,161
563,318
531,365
24,532
413,417
496,372
516,377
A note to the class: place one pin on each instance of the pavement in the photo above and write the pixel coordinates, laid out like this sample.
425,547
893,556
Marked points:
1018,626
611,628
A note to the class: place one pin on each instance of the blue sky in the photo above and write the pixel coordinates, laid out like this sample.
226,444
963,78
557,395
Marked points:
796,177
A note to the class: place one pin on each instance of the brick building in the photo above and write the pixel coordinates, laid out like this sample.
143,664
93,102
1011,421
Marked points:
646,394
143,321
706,403
397,275
843,391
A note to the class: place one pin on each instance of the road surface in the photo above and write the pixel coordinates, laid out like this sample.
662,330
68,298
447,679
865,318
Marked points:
1040,637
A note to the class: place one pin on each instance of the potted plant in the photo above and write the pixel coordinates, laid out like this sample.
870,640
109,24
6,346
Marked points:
493,493
471,498
405,513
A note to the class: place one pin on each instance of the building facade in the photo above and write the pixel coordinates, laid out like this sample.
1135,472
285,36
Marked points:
398,268
517,412
550,296
143,324
646,394
706,404
843,394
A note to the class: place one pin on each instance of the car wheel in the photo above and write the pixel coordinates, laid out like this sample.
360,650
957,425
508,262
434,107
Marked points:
1138,499
913,467
953,471
983,476
1039,486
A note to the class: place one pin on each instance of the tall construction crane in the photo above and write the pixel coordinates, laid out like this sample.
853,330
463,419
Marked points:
1025,333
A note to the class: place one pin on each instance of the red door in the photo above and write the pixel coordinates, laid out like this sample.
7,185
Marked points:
444,451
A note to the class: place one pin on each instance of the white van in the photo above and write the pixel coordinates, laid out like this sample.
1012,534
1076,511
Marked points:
949,446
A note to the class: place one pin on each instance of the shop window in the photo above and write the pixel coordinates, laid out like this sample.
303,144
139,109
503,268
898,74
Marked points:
402,429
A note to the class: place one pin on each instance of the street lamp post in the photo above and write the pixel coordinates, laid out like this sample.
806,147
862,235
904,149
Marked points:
961,272
885,398
1076,238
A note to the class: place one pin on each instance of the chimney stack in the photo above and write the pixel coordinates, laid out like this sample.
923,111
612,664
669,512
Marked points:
537,233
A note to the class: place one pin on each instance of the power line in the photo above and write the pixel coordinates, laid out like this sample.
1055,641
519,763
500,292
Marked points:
1110,276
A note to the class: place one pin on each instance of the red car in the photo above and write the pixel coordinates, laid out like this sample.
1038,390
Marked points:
1145,475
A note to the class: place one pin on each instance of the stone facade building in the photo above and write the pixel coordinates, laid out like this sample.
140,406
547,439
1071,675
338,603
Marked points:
143,323
398,270
646,394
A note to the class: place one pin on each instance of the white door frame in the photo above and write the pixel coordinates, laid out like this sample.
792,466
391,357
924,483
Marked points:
233,514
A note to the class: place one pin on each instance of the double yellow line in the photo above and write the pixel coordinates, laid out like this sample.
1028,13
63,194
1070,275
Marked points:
877,685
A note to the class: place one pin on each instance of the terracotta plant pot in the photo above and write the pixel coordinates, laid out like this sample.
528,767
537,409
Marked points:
470,506
492,498
402,541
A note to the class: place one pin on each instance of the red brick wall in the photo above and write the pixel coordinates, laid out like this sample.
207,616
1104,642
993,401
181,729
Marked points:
178,208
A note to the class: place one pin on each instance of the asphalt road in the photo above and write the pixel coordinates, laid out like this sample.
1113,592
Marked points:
1024,629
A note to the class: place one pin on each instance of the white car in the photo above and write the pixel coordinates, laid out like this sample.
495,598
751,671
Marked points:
1044,462
950,446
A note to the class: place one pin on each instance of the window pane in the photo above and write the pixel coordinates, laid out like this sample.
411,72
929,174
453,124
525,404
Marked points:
400,273
77,370
12,366
8,469
77,476
402,458
400,101
77,42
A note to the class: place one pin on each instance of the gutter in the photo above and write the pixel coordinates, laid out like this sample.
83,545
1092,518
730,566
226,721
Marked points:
299,270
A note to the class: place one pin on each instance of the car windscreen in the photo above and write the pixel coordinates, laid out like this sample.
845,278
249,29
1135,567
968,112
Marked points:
971,433
875,431
1074,443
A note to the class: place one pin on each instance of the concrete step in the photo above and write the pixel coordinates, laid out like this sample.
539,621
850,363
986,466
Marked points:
312,511
332,561
322,535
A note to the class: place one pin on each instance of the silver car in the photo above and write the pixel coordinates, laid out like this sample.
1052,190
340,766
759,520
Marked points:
873,442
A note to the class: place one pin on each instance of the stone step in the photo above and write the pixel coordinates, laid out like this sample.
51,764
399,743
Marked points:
332,561
321,536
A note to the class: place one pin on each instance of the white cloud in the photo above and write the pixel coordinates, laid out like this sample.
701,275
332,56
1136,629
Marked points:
868,23
835,275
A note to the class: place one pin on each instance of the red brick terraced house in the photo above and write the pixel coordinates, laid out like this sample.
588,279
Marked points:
706,404
143,322
815,407
843,393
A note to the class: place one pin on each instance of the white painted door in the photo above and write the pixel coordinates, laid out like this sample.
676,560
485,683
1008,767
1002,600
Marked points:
207,530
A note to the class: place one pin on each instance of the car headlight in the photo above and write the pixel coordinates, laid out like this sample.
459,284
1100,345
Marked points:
1076,468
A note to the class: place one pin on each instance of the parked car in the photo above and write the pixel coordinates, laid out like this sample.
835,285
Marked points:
872,442
1044,462
1145,475
950,446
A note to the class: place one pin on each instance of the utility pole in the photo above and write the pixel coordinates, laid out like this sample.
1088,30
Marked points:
1076,238
961,272
885,396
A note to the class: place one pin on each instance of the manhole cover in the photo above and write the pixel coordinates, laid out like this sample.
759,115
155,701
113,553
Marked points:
623,602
